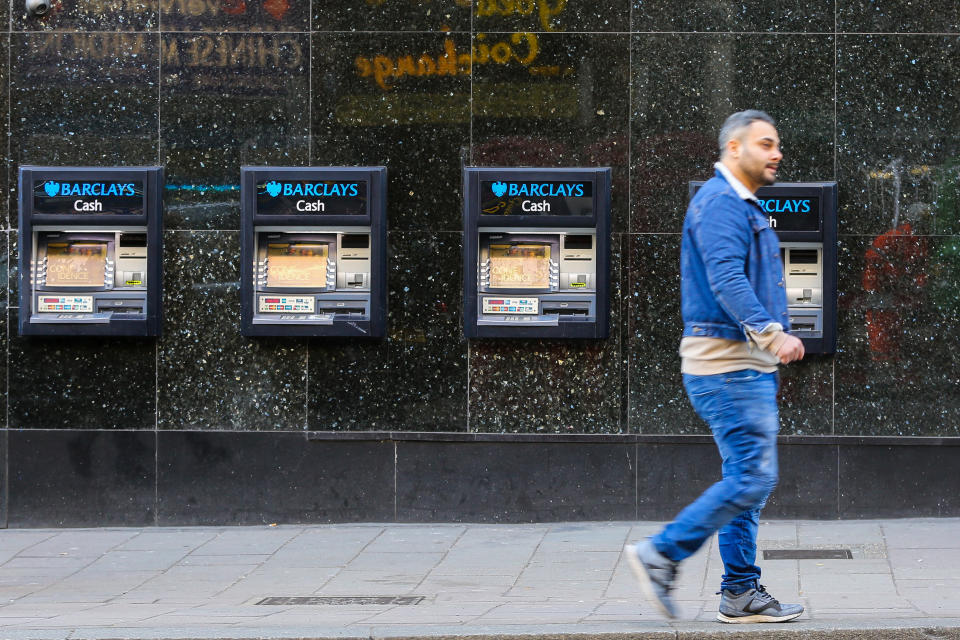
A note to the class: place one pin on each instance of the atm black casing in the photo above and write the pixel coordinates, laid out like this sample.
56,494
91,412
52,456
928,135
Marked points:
474,220
151,219
826,193
375,218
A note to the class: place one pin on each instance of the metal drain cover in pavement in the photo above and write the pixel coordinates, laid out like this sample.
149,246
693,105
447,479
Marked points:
807,554
333,600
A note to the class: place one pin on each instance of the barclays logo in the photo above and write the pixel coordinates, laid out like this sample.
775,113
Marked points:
53,189
316,190
538,189
777,205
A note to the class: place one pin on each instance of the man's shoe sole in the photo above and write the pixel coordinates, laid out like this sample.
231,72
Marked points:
646,585
756,618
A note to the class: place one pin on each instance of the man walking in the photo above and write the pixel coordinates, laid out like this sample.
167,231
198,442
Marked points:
735,328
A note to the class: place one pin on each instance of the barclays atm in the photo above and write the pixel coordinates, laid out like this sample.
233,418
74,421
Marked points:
804,215
313,251
90,243
536,252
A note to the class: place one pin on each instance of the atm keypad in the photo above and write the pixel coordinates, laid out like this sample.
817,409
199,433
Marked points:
511,305
53,304
286,304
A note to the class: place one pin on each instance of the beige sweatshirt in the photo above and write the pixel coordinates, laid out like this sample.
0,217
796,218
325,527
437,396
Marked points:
707,356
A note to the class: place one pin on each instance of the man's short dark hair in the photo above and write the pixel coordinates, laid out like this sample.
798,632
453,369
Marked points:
738,121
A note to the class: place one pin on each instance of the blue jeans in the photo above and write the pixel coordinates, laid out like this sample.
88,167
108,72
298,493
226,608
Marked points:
741,409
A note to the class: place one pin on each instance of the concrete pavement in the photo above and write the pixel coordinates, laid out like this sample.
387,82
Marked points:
902,580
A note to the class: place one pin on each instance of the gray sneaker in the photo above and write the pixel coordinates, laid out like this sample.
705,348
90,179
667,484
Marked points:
656,573
755,605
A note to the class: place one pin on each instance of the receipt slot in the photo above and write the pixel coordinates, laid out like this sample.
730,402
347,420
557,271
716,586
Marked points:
804,215
90,243
536,252
313,251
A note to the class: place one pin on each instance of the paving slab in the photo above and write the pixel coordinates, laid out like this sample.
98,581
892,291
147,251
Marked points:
566,581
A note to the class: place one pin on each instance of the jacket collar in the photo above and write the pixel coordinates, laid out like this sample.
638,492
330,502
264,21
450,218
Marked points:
738,186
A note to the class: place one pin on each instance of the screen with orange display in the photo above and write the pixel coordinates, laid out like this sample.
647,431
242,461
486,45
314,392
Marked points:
297,264
76,264
519,266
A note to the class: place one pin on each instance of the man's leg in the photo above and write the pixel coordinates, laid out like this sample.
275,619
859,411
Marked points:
738,538
738,549
726,402
751,455
741,409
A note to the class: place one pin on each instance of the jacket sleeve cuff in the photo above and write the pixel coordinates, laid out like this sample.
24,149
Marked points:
770,339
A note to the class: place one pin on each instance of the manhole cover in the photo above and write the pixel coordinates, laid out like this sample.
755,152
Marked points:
807,554
340,600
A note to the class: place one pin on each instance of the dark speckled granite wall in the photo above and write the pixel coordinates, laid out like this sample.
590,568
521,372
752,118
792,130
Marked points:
865,93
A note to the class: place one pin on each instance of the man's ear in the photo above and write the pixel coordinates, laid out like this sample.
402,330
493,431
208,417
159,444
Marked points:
733,148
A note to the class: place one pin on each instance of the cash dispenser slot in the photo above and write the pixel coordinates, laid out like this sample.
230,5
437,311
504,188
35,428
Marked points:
344,309
568,311
806,322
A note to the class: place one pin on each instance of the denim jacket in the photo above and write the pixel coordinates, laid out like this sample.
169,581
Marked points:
732,277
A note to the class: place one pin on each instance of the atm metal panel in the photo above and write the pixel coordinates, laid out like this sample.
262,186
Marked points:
536,252
304,221
90,251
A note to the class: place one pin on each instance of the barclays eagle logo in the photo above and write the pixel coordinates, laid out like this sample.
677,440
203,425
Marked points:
52,188
499,188
273,188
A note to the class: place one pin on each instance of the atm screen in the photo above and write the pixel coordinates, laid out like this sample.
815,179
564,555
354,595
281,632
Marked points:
297,264
519,266
76,264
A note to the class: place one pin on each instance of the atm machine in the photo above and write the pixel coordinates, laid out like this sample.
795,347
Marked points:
313,251
804,215
536,252
90,243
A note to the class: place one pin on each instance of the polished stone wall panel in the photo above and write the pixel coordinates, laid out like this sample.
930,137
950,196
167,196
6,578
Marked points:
400,100
80,382
5,209
898,482
82,478
514,482
228,100
657,401
809,483
898,16
685,85
268,478
415,377
549,386
208,375
671,476
897,115
361,15
806,396
235,15
899,298
560,100
552,15
82,99
4,331
88,15
727,15
5,476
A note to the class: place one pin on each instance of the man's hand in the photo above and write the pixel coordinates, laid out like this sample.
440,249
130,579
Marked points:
790,350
